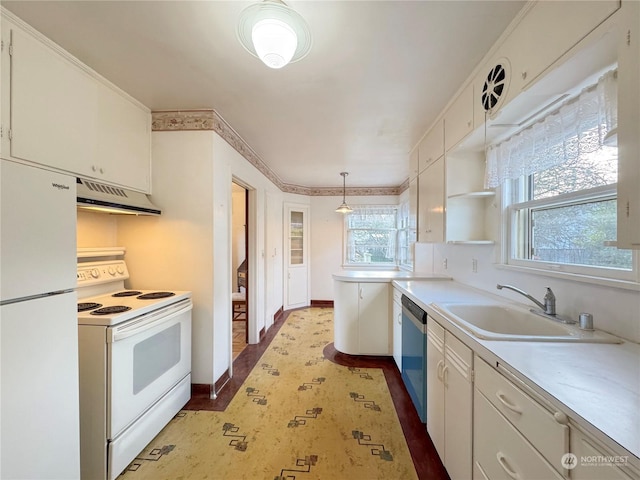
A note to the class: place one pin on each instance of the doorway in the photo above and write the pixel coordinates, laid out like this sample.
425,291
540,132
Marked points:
239,268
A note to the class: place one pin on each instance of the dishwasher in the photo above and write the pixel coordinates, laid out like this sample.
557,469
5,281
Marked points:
414,354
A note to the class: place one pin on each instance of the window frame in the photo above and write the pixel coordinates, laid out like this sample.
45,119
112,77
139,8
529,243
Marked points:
408,234
591,274
345,244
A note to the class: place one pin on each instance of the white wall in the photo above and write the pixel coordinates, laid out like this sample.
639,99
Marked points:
327,239
96,230
175,250
189,246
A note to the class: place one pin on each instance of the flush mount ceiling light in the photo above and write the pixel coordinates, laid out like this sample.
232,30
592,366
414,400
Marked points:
274,33
344,208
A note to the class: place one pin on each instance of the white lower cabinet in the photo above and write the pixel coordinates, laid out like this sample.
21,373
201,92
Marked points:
396,318
449,399
500,451
361,318
514,435
594,461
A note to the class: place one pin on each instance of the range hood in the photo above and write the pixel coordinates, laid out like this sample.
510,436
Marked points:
99,197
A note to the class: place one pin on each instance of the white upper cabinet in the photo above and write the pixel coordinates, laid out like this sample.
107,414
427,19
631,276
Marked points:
544,34
547,32
59,113
124,135
413,164
49,100
628,124
431,203
458,120
431,148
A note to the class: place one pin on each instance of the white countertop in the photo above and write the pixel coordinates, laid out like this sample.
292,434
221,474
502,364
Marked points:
596,385
384,276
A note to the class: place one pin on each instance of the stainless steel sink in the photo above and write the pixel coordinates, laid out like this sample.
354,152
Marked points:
510,323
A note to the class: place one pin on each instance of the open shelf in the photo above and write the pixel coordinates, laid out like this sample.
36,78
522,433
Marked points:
482,194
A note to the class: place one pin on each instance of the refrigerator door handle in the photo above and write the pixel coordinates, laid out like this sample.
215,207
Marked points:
34,297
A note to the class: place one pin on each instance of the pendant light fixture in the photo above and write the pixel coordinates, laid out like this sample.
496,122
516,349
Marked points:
344,208
273,32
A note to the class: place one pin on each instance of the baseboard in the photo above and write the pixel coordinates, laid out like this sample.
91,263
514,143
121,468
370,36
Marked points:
222,381
322,303
261,334
278,315
198,389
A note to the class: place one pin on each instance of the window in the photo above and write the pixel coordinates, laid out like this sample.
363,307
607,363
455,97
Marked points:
566,215
406,236
559,179
370,233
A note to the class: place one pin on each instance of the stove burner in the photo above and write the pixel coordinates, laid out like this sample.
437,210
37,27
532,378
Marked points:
127,293
83,307
110,310
155,295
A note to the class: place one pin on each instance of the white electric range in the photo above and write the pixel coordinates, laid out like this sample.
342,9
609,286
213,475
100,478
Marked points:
135,364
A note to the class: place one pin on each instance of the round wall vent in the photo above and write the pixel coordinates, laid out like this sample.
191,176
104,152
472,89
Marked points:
495,86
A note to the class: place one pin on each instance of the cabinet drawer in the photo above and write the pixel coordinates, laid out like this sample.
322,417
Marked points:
500,452
534,421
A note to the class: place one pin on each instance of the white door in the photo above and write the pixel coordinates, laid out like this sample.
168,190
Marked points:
296,256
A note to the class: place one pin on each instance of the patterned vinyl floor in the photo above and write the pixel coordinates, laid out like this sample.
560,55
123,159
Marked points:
297,416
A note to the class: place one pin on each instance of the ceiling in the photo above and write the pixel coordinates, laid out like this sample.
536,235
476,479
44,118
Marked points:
378,74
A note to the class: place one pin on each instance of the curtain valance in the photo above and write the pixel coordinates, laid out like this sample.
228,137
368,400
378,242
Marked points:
579,127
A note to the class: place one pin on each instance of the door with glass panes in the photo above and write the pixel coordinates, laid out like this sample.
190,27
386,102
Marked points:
296,288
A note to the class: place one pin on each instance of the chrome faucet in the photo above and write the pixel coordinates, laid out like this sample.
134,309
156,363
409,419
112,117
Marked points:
549,305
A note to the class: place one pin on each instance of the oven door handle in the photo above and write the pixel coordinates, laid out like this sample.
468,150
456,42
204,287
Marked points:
137,326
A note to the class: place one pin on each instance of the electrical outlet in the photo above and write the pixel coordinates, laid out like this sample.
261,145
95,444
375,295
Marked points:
474,265
445,264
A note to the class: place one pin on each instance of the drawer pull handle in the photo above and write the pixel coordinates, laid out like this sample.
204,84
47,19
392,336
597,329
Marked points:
445,375
504,401
439,369
502,460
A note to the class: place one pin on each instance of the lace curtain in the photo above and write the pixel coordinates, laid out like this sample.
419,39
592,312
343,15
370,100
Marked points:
577,128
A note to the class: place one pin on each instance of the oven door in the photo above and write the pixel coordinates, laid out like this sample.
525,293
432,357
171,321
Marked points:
147,356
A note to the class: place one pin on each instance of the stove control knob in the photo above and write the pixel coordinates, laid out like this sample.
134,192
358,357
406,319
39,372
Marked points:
112,271
95,273
120,269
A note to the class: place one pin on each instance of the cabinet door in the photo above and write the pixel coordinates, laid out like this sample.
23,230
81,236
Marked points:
431,203
431,147
297,255
124,135
628,138
564,24
435,385
458,408
345,313
458,121
53,105
373,322
584,447
413,164
397,329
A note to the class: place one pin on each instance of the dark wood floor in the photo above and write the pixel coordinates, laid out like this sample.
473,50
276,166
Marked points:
425,458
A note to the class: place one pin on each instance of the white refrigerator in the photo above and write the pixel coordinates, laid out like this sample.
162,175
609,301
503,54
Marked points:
39,412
